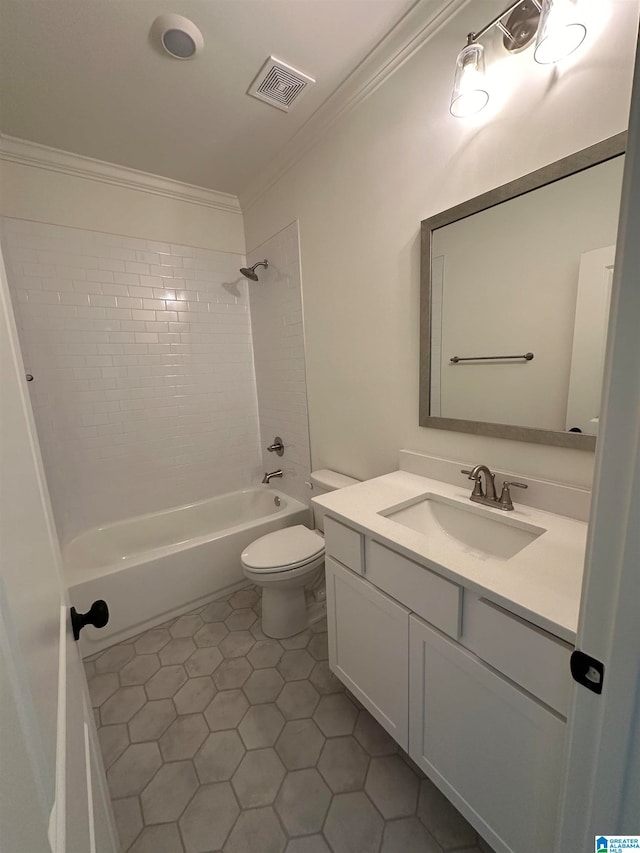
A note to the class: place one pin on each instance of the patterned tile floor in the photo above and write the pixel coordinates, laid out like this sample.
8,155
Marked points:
217,738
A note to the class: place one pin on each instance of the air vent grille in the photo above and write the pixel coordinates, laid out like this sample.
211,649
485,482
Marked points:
279,84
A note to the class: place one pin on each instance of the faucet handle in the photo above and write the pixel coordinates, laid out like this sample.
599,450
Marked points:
508,483
505,496
277,446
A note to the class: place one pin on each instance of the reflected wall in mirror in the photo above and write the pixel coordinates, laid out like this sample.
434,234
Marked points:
515,301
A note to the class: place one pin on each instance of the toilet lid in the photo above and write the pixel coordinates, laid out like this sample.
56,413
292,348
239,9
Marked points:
288,547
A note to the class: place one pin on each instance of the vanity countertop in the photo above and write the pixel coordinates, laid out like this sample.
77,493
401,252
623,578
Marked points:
542,583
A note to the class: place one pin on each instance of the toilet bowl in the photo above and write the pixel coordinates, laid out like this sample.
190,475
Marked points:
287,561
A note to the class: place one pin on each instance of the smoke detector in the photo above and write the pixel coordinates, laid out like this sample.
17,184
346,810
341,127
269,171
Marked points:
279,84
177,35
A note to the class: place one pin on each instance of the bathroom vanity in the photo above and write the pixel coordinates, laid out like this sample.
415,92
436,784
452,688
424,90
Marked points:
453,624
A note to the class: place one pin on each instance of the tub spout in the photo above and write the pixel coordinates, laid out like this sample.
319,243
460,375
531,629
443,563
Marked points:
269,476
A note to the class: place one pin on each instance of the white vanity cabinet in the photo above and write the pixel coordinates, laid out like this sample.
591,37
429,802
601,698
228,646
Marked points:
474,693
369,647
493,750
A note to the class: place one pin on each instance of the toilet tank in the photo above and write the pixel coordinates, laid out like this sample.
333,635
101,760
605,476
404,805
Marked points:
324,481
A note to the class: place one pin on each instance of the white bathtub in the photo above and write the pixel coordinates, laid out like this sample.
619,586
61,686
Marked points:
154,566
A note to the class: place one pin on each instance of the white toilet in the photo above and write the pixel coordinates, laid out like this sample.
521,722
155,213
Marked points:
283,563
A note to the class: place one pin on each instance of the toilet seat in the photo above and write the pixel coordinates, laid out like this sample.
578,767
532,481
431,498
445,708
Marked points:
283,550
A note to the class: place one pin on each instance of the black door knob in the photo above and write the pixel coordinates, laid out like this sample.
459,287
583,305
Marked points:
97,615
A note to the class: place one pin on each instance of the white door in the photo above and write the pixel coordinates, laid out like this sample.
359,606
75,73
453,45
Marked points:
590,339
602,785
53,793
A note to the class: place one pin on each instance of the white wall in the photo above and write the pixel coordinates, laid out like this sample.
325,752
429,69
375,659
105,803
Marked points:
278,347
32,192
359,196
144,390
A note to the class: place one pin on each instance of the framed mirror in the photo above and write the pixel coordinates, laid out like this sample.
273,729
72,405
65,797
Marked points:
515,289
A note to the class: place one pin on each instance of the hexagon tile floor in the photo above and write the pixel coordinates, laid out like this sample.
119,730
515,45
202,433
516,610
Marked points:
216,738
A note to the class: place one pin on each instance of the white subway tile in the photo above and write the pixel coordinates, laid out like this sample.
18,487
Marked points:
121,337
155,246
162,271
143,315
128,302
58,284
110,349
127,408
111,263
38,269
47,297
151,281
102,301
148,257
136,267
127,278
91,313
115,290
88,287
120,314
139,290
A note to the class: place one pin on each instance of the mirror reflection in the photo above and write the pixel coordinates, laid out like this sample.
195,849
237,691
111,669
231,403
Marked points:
518,307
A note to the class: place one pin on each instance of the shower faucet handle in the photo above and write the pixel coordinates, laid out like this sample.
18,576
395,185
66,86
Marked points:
277,446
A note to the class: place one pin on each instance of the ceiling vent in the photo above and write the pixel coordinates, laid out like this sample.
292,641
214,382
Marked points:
279,84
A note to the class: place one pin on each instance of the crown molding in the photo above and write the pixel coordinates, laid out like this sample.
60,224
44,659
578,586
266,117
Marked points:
26,153
418,26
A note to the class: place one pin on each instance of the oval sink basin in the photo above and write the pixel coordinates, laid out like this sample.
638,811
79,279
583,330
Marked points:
448,523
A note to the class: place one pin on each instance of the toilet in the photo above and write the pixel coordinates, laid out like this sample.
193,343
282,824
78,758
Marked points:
287,561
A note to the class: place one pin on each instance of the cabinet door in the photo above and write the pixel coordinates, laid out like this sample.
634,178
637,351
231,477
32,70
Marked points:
492,749
369,647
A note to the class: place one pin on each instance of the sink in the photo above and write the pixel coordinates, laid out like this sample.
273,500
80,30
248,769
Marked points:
446,523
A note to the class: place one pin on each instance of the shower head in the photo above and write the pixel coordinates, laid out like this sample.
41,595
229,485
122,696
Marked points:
250,272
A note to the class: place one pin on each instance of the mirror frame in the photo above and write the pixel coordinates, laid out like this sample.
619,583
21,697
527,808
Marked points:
609,148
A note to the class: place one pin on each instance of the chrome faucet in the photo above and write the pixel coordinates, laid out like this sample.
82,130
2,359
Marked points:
269,476
488,495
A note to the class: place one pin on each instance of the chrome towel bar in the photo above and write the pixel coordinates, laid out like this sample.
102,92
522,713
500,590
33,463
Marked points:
527,356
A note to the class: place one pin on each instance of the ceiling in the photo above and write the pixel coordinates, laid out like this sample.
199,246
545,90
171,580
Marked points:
84,76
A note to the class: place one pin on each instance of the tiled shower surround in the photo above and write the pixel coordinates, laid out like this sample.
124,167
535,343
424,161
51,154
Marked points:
216,737
144,390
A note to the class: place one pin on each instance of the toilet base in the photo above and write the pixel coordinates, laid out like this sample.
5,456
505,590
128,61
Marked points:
284,612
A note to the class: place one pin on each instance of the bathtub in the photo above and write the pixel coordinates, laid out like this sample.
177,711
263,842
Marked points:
155,566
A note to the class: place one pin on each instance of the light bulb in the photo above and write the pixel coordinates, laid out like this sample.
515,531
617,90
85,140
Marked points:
470,93
561,31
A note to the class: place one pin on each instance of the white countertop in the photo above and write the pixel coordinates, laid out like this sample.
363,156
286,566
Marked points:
542,583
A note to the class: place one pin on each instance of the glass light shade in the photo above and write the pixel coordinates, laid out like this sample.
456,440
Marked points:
470,93
561,31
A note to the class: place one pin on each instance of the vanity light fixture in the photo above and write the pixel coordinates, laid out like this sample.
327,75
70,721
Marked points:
470,93
560,31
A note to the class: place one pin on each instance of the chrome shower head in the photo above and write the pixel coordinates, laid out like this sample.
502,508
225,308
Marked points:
250,272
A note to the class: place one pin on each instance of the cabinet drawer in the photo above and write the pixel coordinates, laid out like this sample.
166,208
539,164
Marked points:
533,658
435,599
344,544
